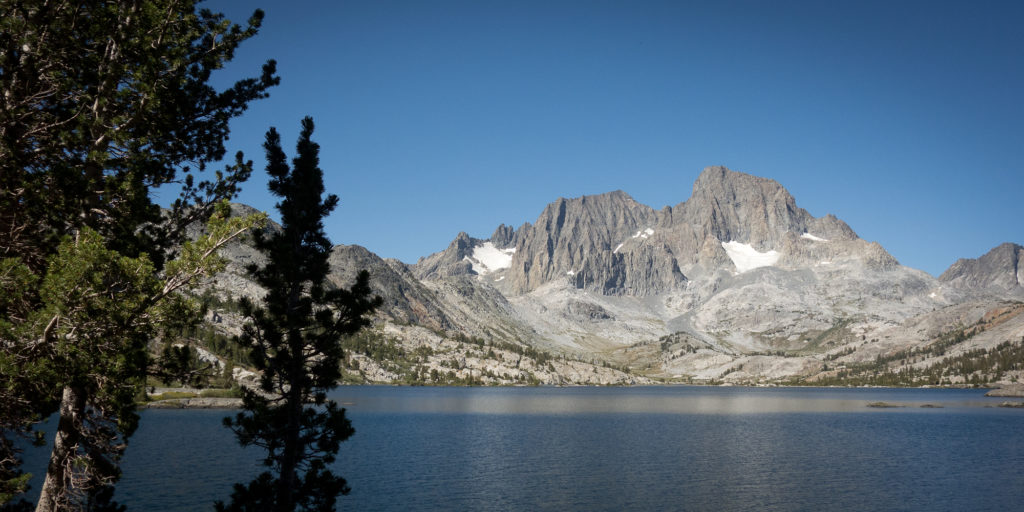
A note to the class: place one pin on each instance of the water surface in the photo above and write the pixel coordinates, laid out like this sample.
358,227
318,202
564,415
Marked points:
657,448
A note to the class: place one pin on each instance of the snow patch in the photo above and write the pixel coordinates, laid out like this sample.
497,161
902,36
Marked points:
502,278
747,258
824,263
933,295
487,258
570,273
644,233
812,237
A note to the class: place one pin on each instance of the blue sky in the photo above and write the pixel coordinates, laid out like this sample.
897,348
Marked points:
902,118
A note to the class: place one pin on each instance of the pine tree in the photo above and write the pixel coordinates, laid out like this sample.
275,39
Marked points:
101,103
295,335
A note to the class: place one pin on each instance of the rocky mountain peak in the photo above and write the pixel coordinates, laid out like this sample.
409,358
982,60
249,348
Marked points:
1002,268
724,183
734,206
503,237
450,262
576,239
614,245
609,209
405,298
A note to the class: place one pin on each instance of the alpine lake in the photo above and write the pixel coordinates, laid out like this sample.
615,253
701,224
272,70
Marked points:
632,448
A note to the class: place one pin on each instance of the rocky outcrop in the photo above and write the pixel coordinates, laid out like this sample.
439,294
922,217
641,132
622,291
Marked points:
733,206
1015,390
505,236
587,311
580,240
1001,269
196,403
450,262
405,298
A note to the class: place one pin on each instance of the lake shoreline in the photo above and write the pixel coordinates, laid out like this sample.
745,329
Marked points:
695,385
1014,390
1004,391
194,403
636,448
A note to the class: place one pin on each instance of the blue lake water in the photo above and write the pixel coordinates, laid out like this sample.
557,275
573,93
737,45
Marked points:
656,448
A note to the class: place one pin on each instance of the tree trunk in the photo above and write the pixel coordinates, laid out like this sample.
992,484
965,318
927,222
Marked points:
292,450
65,444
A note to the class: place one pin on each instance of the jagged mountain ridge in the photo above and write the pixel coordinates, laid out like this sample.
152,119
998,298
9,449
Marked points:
753,286
1001,268
611,244
738,267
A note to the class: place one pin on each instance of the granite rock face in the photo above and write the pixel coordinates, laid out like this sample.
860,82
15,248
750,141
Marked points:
736,283
406,299
450,262
613,245
733,206
580,240
1001,269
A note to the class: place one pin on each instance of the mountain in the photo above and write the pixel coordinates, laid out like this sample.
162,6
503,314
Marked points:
406,299
1001,270
736,283
737,265
613,245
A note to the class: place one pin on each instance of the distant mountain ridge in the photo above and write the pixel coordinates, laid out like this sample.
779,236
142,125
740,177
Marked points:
735,283
611,244
1001,268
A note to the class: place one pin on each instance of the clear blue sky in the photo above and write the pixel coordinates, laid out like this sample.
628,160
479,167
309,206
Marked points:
902,118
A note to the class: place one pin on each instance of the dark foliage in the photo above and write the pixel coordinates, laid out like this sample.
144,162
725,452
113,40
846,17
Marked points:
100,103
295,337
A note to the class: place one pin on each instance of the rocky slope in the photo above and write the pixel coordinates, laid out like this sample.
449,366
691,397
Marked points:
999,270
737,283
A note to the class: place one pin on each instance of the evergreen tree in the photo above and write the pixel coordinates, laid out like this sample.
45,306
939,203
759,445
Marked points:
295,336
181,364
100,103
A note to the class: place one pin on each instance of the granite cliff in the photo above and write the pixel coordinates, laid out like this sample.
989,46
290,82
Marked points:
1000,270
736,283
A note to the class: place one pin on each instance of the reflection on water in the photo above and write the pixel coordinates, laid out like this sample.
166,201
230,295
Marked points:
680,449
583,449
648,400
